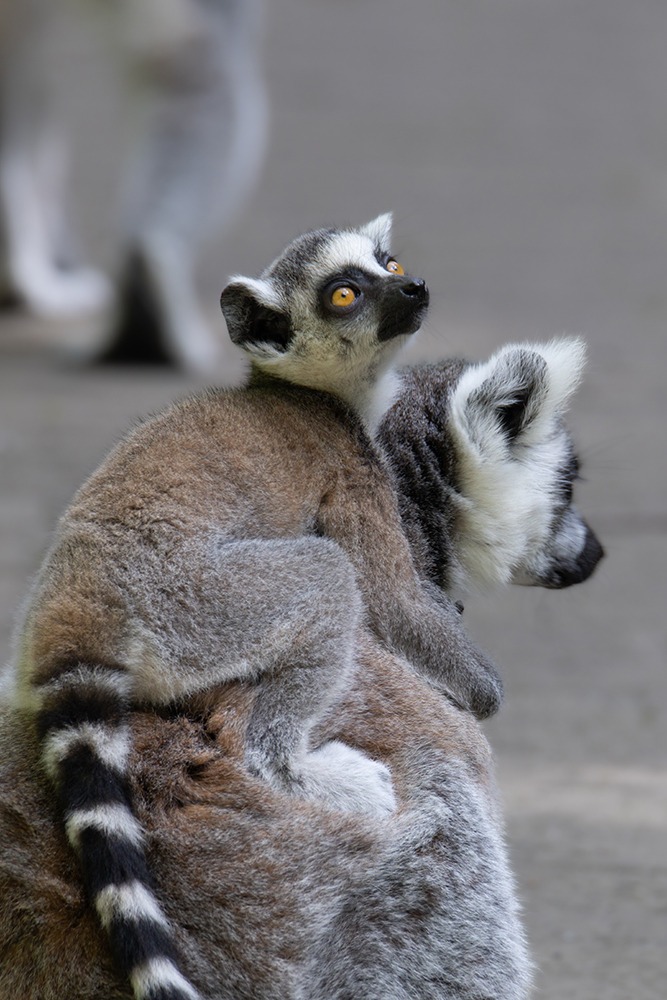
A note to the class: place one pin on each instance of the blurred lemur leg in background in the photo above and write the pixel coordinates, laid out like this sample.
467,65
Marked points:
195,96
194,79
39,270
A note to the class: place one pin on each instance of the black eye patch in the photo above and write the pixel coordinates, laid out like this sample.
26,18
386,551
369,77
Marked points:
363,284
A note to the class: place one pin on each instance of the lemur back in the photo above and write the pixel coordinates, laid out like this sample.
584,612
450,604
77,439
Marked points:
240,535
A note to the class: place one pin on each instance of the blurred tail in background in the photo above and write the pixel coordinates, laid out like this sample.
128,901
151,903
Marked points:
192,79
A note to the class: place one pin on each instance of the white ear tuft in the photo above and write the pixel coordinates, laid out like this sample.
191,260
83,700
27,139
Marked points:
514,397
259,289
379,231
566,360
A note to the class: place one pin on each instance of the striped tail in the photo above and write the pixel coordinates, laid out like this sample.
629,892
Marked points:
82,721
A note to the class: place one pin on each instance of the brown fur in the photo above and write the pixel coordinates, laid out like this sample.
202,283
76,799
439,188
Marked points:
245,872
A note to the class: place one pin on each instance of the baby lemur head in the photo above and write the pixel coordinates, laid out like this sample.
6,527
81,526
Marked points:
330,313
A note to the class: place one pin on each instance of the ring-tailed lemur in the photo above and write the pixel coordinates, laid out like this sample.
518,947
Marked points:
240,535
485,468
420,907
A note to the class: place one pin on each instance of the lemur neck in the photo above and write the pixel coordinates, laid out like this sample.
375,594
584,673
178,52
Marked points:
371,398
369,393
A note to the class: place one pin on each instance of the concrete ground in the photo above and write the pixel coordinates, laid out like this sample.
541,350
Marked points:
523,148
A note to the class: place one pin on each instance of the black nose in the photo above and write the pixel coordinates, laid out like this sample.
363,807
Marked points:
415,288
582,567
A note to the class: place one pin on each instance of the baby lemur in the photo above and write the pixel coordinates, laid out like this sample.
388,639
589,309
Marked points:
240,535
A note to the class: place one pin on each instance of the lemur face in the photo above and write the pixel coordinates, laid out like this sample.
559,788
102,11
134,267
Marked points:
570,549
329,313
520,465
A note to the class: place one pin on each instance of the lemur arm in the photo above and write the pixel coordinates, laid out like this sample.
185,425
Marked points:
411,617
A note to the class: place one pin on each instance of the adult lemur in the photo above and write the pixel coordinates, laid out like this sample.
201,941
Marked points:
272,897
240,536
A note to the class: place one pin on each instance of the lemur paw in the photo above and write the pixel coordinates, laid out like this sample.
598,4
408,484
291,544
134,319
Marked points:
487,693
346,779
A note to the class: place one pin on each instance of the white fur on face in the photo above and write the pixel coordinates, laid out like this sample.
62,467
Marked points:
348,249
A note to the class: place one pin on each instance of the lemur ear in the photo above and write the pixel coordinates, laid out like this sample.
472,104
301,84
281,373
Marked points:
255,316
379,231
514,398
513,391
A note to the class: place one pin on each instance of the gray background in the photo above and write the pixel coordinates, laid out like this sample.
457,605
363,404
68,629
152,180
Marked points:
522,145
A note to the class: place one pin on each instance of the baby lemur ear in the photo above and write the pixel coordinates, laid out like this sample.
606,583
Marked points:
379,231
255,316
514,398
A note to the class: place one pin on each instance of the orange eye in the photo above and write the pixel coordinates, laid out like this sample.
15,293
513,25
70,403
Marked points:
343,296
395,267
